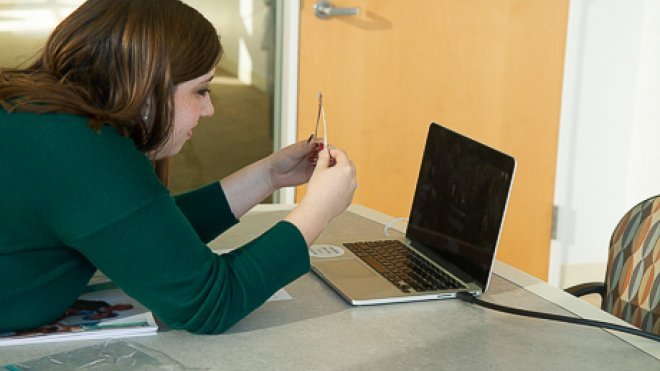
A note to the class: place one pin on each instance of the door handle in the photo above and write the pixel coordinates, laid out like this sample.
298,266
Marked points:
324,10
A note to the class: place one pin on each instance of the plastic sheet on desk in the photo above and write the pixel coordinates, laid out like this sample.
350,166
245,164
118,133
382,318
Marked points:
111,355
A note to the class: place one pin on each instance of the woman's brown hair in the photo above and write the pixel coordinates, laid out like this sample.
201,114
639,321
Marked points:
117,62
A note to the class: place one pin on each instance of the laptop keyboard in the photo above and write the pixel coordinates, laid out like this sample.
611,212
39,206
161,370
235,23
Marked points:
402,266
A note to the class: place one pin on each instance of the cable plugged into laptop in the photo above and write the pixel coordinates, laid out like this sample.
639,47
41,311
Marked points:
467,297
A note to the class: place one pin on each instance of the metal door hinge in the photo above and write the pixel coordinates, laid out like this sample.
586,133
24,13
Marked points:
553,228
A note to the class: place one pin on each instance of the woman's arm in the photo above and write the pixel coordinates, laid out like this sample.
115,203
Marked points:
330,189
247,187
252,184
156,257
329,193
207,211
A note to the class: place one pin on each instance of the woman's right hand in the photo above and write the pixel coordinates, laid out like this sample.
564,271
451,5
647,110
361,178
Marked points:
329,192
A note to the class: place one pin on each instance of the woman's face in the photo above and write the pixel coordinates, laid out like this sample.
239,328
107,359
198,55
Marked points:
192,100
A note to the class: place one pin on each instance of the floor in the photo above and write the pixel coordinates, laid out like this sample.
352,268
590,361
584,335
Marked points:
239,133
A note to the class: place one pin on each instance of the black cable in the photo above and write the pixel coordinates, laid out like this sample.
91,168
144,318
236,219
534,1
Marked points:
465,296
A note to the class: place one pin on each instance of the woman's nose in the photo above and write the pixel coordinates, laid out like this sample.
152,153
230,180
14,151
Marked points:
208,108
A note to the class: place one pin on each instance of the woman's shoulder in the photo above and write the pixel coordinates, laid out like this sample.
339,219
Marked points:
59,154
70,144
65,123
52,132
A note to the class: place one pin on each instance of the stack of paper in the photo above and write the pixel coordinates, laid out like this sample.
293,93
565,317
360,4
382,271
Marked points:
102,312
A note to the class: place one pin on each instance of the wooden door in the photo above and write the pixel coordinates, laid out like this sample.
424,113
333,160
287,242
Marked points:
490,69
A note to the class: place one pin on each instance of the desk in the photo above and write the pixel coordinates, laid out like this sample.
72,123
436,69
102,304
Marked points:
318,330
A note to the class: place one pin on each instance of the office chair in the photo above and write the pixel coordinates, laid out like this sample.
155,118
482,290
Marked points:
631,290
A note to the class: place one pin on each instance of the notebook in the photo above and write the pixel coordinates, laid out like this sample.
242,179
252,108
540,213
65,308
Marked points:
452,234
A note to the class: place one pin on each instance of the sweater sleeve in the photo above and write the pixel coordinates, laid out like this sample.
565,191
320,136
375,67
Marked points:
155,256
207,210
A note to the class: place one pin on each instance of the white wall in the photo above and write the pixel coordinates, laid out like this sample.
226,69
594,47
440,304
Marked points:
610,127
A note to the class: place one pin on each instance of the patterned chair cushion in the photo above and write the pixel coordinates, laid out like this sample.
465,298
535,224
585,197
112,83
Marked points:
632,283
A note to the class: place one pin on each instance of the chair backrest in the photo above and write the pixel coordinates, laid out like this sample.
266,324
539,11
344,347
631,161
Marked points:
632,282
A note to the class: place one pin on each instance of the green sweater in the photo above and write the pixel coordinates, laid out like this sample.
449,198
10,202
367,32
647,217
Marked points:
73,200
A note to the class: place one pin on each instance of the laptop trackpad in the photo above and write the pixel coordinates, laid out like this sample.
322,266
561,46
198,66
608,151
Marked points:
344,269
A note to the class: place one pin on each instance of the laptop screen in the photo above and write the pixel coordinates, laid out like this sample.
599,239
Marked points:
459,202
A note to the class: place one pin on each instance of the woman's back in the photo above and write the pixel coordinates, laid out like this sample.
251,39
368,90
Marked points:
53,170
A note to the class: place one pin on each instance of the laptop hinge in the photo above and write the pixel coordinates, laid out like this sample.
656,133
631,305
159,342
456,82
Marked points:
442,263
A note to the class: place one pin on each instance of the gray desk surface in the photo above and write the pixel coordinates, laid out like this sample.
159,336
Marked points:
318,330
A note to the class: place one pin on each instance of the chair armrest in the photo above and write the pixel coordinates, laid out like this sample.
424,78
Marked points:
587,288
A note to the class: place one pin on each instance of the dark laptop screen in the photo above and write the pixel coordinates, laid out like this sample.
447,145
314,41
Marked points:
459,203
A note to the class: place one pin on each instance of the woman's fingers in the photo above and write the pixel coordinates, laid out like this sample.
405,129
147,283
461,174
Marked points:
323,159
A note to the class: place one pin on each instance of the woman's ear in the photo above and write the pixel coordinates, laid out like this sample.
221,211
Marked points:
147,110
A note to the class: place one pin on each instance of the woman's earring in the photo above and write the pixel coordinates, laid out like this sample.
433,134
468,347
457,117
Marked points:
145,118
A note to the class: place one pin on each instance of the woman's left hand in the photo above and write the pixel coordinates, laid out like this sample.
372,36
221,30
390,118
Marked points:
290,166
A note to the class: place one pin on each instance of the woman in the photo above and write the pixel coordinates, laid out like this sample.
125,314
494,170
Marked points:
121,84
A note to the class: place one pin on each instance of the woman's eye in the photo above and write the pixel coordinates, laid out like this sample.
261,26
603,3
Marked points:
204,92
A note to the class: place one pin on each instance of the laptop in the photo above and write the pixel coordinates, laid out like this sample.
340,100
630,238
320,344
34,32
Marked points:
452,234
